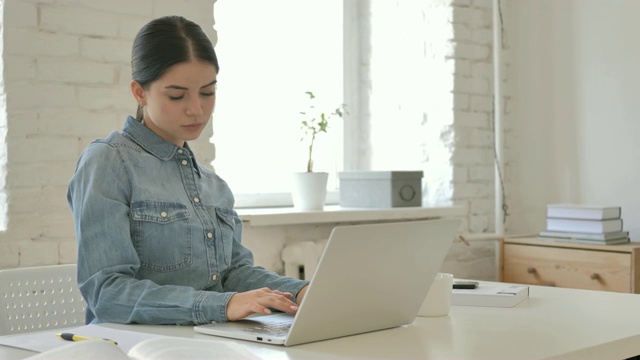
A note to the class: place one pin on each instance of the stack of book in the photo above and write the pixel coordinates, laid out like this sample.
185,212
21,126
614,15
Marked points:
585,224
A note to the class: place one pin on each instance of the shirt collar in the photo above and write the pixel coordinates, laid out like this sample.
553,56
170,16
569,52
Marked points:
148,140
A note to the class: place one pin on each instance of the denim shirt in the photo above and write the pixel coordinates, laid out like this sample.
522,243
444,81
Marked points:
158,239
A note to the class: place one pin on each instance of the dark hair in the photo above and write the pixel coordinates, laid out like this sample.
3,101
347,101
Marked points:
164,42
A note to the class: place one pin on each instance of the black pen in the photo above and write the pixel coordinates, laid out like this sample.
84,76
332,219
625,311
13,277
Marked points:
74,337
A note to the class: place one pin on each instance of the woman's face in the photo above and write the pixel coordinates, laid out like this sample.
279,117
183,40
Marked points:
178,105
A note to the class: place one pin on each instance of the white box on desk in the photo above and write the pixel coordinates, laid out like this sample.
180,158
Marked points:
496,295
380,189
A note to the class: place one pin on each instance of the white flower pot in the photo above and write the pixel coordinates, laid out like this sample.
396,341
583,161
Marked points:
309,190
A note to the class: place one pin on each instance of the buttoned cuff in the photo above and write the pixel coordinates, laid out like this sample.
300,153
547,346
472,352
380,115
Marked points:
211,307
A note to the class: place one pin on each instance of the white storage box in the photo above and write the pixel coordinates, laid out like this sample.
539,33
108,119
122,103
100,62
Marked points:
380,189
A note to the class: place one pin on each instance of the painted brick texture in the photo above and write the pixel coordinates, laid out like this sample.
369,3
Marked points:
66,76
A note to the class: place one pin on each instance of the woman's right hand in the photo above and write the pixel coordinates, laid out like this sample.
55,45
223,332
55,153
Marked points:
259,301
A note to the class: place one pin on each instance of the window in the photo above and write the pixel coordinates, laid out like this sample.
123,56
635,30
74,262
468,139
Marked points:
389,58
270,54
411,82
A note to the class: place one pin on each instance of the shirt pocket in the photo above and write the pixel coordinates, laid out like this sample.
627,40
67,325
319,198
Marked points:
162,235
227,226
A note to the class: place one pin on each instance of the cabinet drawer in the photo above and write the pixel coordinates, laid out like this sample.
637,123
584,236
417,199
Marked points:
571,268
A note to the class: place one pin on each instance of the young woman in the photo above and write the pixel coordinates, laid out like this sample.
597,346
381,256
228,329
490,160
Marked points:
158,239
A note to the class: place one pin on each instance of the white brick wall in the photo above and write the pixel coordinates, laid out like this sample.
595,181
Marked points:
473,93
67,77
473,156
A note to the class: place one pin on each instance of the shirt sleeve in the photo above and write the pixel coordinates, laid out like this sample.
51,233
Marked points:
244,275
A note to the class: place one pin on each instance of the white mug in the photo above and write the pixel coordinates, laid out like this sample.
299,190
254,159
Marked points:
438,300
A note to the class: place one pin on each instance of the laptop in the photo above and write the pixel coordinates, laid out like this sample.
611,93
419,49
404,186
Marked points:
370,277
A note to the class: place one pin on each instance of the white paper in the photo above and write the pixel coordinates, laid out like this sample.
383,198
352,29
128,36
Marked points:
82,350
46,340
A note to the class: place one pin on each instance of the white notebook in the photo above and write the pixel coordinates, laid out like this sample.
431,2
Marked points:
493,295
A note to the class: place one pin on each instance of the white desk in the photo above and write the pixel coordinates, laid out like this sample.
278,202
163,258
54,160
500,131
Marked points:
553,323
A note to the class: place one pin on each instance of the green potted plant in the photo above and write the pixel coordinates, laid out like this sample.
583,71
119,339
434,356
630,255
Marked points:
310,187
314,122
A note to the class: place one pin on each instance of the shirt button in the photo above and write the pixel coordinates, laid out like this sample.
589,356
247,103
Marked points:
179,151
214,277
184,162
196,200
209,235
163,214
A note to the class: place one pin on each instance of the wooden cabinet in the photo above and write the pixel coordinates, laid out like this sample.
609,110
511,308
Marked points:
530,260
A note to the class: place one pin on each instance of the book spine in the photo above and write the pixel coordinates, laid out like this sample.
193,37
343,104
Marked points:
584,236
584,213
584,226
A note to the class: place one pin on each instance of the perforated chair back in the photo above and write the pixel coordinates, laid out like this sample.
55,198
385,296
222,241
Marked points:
39,298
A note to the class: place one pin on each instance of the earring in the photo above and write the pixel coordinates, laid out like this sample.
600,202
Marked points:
140,113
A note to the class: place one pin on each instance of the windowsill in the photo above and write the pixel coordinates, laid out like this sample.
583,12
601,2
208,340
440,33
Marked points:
337,214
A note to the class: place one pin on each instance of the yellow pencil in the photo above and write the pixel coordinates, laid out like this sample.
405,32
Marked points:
74,337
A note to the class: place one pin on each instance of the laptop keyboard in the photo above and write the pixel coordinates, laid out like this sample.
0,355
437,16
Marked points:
276,328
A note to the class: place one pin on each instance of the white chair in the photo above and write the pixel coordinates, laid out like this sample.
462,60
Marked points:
39,298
